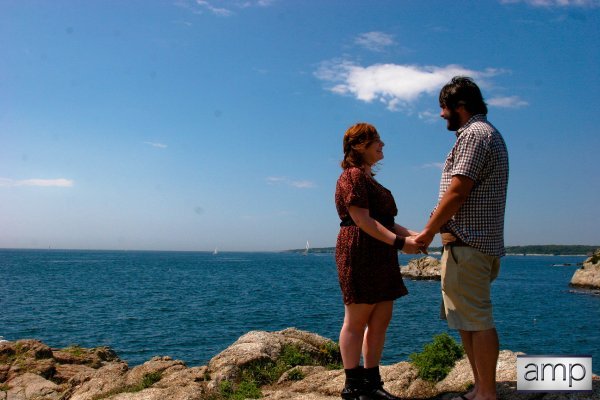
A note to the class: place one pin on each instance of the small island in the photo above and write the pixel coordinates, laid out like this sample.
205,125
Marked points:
588,276
425,268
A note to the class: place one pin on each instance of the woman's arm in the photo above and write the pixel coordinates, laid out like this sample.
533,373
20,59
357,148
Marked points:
363,220
373,228
402,231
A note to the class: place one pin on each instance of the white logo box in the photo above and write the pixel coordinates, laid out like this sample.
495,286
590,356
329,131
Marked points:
554,373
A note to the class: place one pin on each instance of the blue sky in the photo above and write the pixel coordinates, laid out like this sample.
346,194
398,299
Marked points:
190,125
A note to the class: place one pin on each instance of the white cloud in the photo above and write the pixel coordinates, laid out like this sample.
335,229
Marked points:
397,86
265,3
220,11
61,182
300,184
273,180
222,8
375,41
181,22
433,165
429,116
157,145
556,3
507,102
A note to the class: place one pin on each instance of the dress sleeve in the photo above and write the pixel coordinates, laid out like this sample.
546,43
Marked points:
353,188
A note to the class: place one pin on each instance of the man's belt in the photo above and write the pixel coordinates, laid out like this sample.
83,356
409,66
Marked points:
449,239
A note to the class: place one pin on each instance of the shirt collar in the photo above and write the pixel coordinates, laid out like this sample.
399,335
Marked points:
474,118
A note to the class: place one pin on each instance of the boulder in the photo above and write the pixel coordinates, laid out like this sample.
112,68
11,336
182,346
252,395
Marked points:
105,381
157,379
588,276
424,268
260,346
32,386
461,376
17,358
93,358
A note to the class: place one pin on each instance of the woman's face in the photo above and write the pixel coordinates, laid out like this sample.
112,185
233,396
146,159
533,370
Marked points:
373,152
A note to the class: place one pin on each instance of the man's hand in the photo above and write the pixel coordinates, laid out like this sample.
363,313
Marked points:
425,238
412,246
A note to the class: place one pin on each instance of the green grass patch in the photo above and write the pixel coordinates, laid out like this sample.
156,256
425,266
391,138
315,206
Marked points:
330,356
147,381
75,350
437,358
245,390
296,375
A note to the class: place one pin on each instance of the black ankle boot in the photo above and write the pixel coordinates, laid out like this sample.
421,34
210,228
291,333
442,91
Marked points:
354,386
374,385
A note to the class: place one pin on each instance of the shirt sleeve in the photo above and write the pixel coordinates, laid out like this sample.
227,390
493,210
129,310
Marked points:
354,188
471,155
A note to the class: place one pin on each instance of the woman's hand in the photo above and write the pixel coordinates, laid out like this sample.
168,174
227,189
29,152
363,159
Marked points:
412,246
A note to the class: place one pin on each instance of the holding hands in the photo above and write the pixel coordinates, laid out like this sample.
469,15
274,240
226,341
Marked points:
408,241
413,246
425,238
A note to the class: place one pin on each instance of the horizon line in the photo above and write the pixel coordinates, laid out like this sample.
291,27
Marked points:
260,251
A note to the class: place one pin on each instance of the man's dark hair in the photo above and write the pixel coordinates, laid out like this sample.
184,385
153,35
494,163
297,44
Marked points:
462,91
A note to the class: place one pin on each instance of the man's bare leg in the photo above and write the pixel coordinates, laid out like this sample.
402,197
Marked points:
482,349
467,341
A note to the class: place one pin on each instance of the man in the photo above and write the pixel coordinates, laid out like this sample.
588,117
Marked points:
470,218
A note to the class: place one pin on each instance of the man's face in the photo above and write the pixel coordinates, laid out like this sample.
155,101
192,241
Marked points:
452,118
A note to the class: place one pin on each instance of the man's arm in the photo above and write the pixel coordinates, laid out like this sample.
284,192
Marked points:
454,197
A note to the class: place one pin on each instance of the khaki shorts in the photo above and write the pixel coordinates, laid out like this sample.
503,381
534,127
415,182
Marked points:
467,275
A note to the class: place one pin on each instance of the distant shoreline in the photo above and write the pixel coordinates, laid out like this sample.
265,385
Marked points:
529,250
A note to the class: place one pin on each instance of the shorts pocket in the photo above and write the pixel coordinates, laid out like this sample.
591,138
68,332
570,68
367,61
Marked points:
452,254
449,268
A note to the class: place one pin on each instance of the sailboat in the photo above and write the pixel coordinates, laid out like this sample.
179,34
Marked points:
215,252
307,248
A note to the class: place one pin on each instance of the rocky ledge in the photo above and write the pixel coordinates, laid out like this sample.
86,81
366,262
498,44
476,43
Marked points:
588,276
30,370
424,268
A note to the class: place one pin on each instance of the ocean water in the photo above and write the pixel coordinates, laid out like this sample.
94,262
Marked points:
192,305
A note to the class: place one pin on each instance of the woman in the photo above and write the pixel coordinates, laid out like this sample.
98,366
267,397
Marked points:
367,261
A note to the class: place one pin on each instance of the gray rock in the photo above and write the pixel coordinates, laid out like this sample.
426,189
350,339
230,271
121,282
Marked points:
424,268
107,380
32,386
588,276
260,346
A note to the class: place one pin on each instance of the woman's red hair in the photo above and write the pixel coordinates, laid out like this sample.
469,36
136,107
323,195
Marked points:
356,139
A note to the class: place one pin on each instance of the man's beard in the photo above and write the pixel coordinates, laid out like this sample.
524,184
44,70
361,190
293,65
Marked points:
453,121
